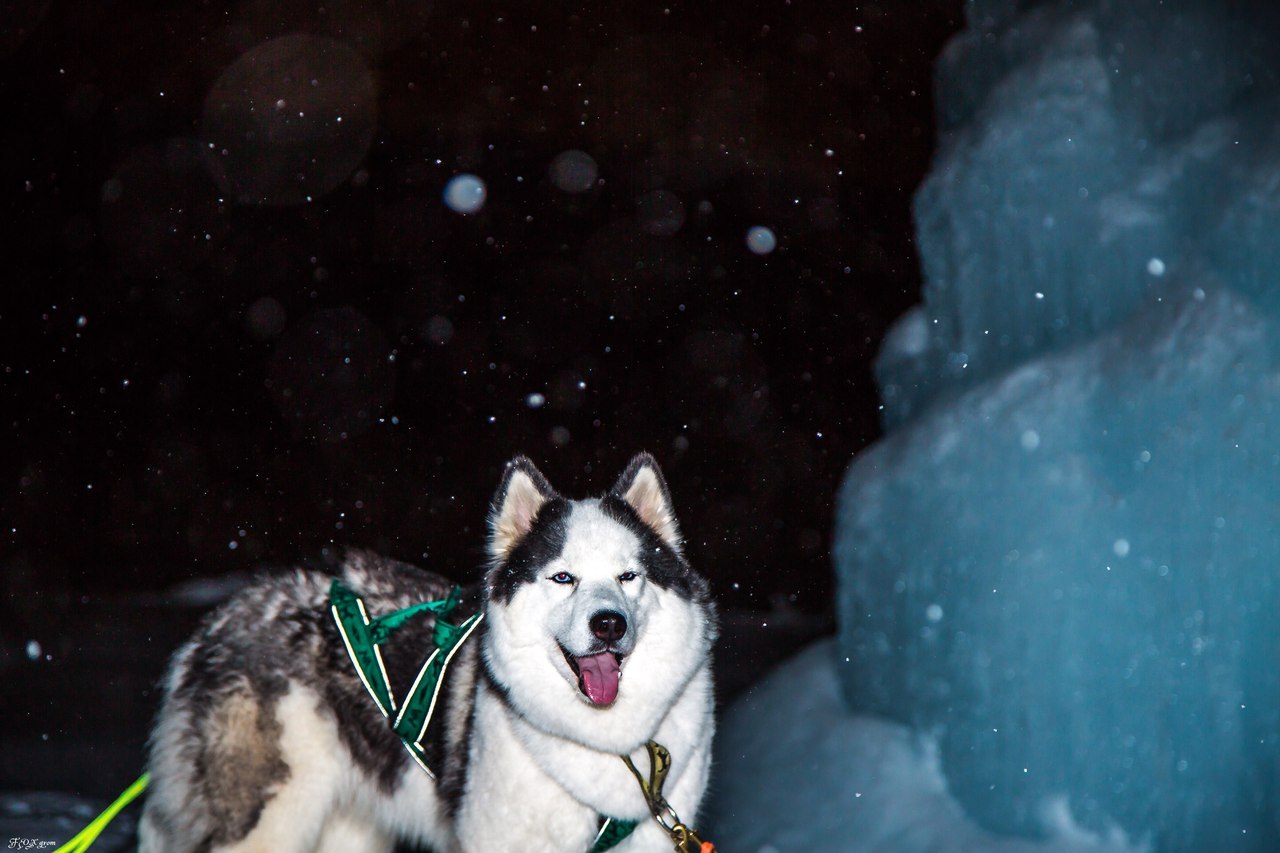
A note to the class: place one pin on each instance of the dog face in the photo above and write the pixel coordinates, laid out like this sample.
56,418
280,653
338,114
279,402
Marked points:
595,618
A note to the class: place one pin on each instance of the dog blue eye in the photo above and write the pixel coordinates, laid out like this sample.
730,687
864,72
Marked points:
562,577
627,576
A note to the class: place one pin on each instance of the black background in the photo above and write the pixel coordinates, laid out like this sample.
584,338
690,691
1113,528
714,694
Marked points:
193,386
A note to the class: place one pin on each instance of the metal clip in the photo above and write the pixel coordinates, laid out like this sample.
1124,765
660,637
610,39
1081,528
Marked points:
687,841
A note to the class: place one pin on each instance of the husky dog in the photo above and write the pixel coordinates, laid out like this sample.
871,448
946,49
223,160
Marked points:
594,639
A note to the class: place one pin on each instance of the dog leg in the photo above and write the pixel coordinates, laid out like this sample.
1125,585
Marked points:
298,807
153,838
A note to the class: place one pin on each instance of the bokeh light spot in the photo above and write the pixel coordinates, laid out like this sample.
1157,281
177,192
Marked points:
761,240
465,194
573,171
661,213
273,137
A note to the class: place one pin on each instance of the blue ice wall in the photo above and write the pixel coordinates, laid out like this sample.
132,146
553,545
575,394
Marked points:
1092,155
1064,558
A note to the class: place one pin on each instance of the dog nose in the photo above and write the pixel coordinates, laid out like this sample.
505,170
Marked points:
609,625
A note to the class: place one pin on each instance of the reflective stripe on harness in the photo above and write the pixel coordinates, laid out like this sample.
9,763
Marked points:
362,636
612,832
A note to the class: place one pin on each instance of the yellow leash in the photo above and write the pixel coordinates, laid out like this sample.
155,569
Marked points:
90,833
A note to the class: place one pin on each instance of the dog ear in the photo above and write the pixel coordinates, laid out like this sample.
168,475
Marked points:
515,505
643,487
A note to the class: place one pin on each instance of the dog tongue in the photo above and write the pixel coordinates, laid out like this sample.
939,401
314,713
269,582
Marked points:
600,677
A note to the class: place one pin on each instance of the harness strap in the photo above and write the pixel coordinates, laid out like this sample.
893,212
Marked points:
613,831
362,637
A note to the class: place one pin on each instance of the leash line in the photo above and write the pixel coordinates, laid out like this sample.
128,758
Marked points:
85,837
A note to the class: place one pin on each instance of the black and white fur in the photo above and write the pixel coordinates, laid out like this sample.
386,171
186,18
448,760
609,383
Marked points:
267,740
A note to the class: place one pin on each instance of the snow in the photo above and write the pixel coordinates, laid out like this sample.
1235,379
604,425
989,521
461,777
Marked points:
44,820
794,770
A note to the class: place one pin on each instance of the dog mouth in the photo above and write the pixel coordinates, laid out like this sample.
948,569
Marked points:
598,675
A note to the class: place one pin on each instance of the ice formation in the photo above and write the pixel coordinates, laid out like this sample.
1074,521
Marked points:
1092,157
1063,561
1068,573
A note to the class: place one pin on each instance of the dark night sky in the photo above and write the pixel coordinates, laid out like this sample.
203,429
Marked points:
200,370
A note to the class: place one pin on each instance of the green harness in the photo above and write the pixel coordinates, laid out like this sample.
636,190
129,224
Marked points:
363,636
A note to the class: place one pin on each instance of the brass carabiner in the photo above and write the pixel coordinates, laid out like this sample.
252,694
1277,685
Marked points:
686,840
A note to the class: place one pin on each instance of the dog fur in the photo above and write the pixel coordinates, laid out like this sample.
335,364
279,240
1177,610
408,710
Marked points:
268,741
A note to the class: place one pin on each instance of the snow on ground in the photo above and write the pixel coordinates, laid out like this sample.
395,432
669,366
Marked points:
43,820
796,772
